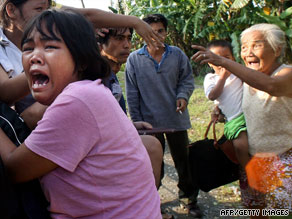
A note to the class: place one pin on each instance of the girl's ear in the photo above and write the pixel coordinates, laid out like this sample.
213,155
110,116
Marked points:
10,9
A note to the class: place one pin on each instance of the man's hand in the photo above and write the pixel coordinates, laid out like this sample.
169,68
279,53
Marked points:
181,105
142,125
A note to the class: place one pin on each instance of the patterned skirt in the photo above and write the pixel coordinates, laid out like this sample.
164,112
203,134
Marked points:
267,182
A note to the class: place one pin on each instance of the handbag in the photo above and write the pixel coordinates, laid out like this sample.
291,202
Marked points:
212,163
23,200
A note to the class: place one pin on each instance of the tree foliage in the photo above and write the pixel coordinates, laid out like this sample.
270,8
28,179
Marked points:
199,21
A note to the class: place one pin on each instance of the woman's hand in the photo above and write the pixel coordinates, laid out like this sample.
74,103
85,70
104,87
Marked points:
204,56
146,32
100,32
100,18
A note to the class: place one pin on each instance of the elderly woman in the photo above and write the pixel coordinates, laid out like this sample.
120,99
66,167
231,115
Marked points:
267,107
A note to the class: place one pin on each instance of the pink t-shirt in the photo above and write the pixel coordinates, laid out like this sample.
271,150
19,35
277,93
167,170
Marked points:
104,170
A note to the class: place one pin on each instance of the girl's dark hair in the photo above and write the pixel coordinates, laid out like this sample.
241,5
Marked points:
4,19
79,37
220,43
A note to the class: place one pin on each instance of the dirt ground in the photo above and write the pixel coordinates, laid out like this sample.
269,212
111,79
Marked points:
227,196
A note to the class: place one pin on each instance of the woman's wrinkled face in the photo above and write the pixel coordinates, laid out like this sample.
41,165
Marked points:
257,53
48,65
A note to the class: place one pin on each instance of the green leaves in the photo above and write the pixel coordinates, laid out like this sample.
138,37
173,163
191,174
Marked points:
236,45
153,3
238,4
189,20
286,13
274,20
113,9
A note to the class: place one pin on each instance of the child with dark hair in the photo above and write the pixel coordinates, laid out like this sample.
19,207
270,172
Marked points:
14,15
225,89
86,152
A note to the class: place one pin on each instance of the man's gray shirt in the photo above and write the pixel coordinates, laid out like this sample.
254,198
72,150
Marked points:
152,88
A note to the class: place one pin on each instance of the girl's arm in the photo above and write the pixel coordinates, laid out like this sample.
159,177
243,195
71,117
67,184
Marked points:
32,114
218,88
21,163
12,89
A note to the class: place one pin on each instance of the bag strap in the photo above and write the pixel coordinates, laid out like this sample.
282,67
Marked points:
207,130
214,132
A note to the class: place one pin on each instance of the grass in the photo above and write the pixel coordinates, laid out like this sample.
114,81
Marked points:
199,109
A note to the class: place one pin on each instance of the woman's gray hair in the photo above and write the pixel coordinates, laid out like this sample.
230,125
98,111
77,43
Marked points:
272,33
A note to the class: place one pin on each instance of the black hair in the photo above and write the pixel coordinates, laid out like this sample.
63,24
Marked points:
156,18
78,35
4,19
220,43
112,32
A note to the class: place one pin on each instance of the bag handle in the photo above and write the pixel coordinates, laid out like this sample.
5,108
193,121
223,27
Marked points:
207,130
214,132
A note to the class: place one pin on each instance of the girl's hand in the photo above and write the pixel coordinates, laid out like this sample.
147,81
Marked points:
217,115
224,74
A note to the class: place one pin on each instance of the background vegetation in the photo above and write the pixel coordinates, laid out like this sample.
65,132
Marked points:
199,21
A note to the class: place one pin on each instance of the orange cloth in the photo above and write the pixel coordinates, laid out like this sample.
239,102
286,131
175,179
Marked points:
265,173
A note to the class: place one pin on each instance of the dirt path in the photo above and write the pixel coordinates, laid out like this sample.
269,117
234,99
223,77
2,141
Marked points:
221,198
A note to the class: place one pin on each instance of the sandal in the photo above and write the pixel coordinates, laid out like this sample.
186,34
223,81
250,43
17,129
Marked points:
194,210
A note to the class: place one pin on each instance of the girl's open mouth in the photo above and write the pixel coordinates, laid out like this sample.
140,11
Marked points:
39,80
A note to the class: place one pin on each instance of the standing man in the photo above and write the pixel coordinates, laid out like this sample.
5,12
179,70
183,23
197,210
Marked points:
159,83
115,46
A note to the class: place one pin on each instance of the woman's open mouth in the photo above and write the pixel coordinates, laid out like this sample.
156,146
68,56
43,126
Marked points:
253,64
